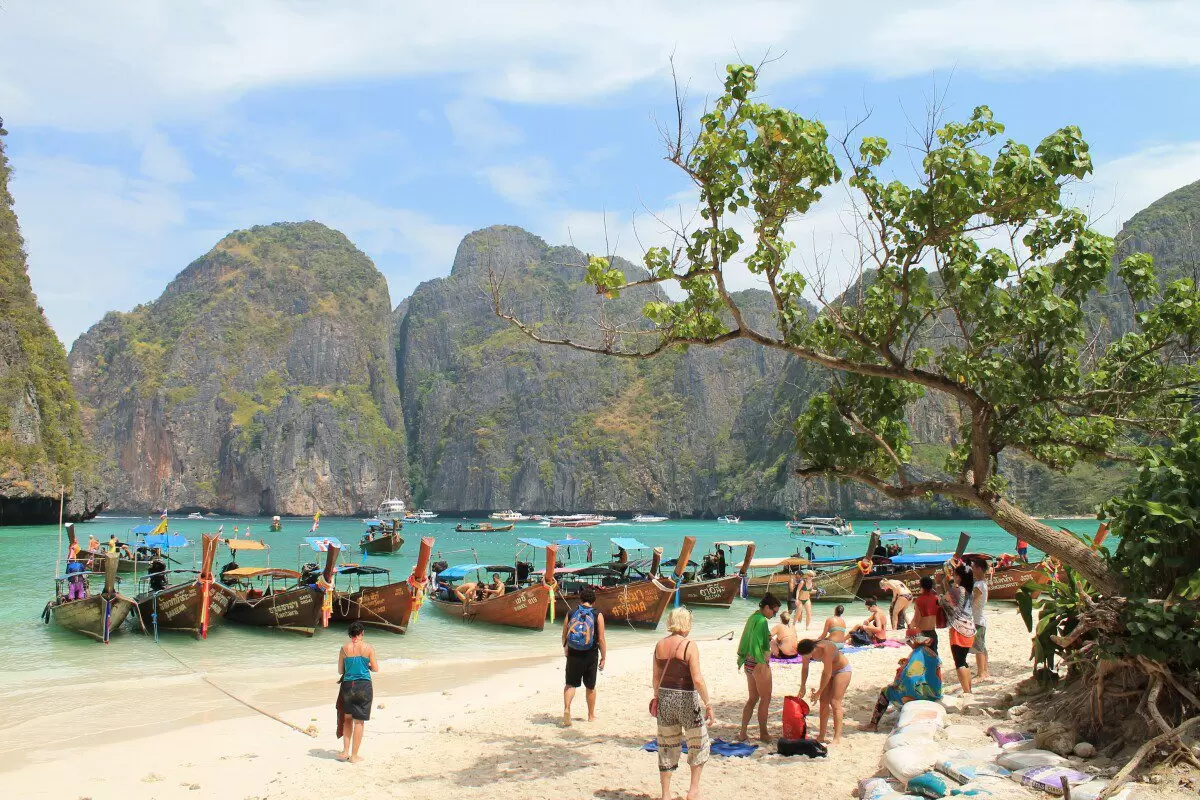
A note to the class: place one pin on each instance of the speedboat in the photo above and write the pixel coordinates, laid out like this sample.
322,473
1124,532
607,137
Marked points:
195,515
649,518
820,526
730,519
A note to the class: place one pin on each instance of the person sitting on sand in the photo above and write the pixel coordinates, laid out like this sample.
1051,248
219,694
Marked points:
783,637
874,627
835,628
918,678
902,599
356,662
754,655
835,678
680,702
586,648
497,587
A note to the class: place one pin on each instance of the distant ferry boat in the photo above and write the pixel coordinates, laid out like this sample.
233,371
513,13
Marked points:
821,526
509,516
420,516
391,509
730,519
649,518
195,515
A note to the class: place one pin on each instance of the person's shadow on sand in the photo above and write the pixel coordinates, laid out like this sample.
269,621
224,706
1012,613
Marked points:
321,752
621,794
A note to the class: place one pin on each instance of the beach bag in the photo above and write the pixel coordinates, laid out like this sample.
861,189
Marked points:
861,639
942,622
795,722
801,747
581,633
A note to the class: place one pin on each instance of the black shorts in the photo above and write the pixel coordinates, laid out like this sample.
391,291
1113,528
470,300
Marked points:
960,656
582,666
357,698
933,639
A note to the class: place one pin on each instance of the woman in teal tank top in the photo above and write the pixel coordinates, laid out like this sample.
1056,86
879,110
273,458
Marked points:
356,662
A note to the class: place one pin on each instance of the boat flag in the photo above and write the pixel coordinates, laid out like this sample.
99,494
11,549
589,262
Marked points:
161,527
316,522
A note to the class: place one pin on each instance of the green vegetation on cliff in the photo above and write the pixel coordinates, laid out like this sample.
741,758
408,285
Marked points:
42,447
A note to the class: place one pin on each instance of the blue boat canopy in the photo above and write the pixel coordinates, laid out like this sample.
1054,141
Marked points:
818,542
629,544
322,543
539,543
460,571
166,540
140,529
570,542
922,558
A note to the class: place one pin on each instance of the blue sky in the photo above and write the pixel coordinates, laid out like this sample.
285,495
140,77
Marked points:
142,132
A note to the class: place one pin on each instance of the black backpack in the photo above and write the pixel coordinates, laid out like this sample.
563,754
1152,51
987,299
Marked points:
802,747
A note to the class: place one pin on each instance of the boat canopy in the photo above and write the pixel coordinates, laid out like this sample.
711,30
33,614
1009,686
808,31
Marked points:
460,571
322,543
922,558
372,522
817,541
570,542
261,572
629,544
246,544
670,562
735,544
538,543
140,529
909,533
588,571
165,540
362,569
787,561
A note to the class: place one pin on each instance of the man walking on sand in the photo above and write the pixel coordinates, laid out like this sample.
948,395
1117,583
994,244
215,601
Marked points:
585,647
979,598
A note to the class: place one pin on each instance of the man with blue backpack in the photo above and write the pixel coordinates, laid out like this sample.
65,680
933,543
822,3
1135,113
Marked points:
585,649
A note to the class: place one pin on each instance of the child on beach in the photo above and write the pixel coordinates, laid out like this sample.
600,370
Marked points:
356,662
754,651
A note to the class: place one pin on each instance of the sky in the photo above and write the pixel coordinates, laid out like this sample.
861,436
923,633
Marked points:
142,132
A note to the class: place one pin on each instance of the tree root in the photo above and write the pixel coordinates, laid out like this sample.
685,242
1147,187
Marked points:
1146,749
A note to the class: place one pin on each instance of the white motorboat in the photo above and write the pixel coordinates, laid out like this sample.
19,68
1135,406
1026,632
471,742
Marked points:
649,518
509,516
730,519
820,526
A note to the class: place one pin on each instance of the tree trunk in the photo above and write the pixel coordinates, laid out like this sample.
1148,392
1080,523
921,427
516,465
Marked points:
1063,546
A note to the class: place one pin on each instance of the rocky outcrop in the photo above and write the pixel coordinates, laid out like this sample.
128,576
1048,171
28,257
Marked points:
261,381
42,448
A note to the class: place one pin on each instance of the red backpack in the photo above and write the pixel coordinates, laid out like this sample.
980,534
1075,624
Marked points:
795,722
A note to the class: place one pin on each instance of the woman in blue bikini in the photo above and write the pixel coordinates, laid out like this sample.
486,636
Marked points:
835,628
835,678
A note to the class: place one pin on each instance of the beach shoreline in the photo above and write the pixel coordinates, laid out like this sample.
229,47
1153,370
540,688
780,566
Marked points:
491,729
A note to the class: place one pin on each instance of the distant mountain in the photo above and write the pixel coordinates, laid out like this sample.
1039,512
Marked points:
261,381
42,447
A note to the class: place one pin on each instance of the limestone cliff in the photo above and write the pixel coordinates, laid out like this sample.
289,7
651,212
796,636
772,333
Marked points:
261,381
42,447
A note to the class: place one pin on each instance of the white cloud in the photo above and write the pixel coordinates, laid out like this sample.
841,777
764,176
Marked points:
89,66
1124,186
163,162
524,183
477,125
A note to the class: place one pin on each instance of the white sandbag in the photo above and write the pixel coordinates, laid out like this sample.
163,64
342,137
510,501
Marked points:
881,789
966,769
911,760
959,734
921,711
1024,759
1049,778
917,733
1092,789
989,787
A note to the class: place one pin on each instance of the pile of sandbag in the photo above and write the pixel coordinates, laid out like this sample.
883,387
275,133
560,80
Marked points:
926,758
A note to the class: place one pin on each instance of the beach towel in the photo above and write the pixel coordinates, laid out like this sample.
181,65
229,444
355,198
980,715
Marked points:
719,747
755,644
919,679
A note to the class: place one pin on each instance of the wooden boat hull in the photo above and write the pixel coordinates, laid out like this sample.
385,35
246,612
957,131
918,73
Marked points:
1004,583
524,608
96,617
295,610
387,543
484,528
840,585
388,607
715,592
639,604
180,607
871,586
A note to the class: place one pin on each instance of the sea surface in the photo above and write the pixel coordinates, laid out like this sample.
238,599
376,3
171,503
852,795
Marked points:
38,661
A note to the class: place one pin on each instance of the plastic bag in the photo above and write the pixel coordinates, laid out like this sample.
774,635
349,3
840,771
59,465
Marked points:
928,784
966,769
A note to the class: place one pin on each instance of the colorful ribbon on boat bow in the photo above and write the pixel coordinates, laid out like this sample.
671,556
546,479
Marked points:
326,588
417,590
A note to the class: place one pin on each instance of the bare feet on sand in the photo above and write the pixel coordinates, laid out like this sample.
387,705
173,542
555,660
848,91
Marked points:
342,756
566,720
355,759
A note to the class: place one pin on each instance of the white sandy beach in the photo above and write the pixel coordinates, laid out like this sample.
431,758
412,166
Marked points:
497,737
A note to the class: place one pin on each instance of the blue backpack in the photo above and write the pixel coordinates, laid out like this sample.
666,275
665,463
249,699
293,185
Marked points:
581,632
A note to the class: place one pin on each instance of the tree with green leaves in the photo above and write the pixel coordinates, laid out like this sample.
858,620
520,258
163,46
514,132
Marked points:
973,284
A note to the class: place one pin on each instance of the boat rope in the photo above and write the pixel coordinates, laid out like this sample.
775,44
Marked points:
310,731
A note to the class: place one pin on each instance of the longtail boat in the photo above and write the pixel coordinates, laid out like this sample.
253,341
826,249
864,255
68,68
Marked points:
134,557
94,615
382,536
283,599
710,586
626,593
391,606
521,606
192,605
908,568
276,525
482,527
836,578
